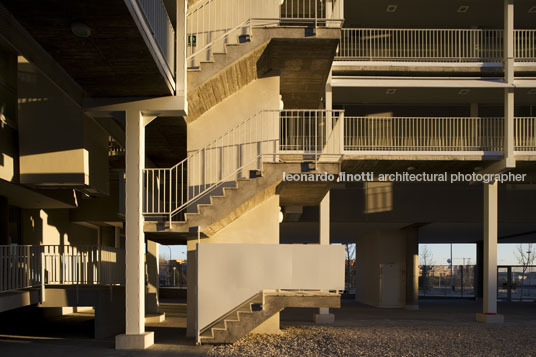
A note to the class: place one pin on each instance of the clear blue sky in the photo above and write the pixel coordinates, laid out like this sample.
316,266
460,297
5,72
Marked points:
440,253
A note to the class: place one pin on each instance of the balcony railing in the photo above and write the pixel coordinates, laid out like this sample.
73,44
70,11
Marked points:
30,266
433,45
157,18
84,265
435,134
525,134
211,24
20,267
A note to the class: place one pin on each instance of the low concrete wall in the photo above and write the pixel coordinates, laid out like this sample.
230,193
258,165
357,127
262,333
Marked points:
232,273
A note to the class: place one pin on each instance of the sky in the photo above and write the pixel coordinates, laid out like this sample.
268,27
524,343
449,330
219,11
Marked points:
440,253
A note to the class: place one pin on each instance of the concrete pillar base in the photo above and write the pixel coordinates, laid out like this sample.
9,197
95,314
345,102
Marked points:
134,342
154,318
323,319
490,319
412,307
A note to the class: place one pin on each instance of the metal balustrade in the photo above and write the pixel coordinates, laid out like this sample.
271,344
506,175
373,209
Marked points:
20,267
423,134
525,134
525,45
158,21
212,24
85,265
433,45
30,266
315,135
170,191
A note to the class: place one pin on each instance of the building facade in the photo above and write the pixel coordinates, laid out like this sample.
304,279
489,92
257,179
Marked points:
132,123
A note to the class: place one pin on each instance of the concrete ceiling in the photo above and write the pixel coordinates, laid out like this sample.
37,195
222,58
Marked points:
113,61
165,141
435,14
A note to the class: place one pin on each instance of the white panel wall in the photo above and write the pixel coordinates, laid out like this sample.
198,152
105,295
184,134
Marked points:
229,274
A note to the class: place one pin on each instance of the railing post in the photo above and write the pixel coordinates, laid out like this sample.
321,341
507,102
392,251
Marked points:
170,197
42,287
341,133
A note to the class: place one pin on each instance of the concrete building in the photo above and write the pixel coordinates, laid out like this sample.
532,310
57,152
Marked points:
224,126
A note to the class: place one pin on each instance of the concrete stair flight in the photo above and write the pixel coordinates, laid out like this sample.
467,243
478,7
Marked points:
253,312
229,201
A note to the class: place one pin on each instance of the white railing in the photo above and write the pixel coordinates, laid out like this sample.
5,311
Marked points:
162,30
423,134
20,267
38,265
525,134
261,138
434,45
525,45
313,132
211,24
84,265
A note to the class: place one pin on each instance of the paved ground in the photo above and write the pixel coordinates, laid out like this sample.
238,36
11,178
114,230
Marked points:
439,328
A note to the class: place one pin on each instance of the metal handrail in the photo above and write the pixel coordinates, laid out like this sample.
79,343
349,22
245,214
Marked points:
434,45
258,139
435,133
211,24
158,20
26,266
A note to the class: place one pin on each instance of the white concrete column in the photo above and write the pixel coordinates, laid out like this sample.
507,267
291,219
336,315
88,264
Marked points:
508,41
323,316
509,79
509,127
135,337
489,313
412,269
152,305
328,98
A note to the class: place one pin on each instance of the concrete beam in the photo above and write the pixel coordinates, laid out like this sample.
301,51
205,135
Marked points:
420,82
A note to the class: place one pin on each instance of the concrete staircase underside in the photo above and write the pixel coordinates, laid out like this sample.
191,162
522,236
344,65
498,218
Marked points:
253,312
240,198
302,61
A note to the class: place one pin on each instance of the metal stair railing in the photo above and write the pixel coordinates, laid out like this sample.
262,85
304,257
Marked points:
260,138
211,24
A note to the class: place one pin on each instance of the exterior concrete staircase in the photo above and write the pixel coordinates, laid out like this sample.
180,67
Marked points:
259,308
249,56
229,202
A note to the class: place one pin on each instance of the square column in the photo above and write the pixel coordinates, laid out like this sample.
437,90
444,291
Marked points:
508,41
412,269
323,316
135,336
489,312
509,80
152,305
